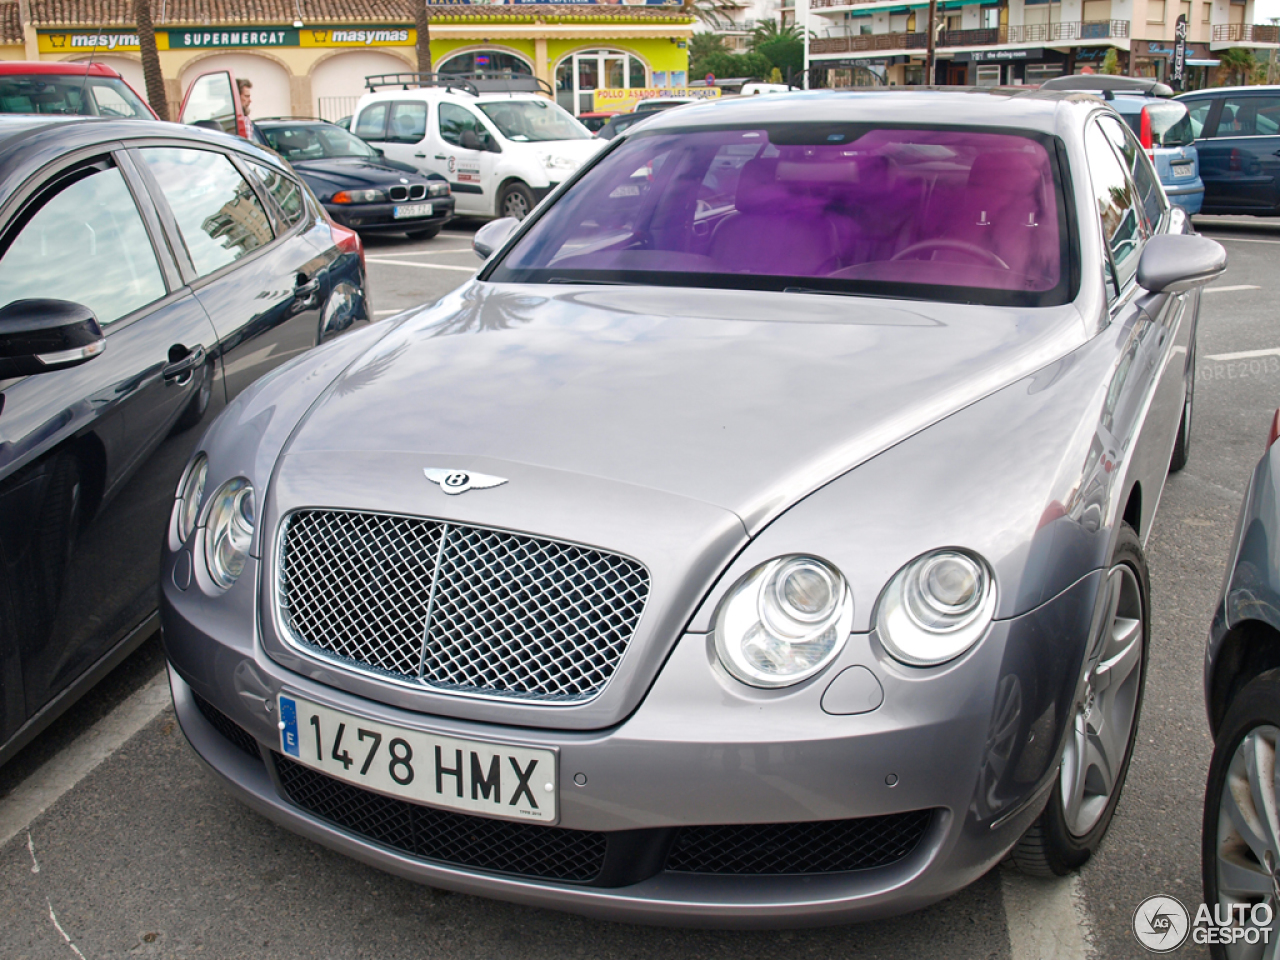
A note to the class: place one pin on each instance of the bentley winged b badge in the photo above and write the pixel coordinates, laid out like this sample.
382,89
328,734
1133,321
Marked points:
458,481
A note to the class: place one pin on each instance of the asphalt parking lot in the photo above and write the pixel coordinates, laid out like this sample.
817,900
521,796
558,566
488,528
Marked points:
114,843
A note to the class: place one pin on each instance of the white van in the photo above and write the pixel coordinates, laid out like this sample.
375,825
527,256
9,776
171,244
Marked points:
501,152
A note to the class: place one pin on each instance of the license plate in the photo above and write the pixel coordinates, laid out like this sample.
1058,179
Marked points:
494,779
1182,169
412,210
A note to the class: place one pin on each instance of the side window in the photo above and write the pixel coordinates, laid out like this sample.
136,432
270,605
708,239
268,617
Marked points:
455,121
1117,208
92,227
219,216
408,122
286,191
1150,194
372,122
1249,117
1198,114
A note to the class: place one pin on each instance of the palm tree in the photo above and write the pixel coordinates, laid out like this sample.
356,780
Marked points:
1238,64
422,23
766,30
150,58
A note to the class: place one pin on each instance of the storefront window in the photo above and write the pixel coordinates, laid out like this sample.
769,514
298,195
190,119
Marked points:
481,62
580,75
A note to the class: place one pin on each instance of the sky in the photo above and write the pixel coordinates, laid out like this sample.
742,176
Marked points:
1264,10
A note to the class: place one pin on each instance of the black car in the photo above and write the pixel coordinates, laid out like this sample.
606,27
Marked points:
622,121
1241,836
1237,131
148,274
359,187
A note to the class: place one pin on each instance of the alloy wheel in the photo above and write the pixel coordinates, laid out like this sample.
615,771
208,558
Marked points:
1103,722
515,206
1247,857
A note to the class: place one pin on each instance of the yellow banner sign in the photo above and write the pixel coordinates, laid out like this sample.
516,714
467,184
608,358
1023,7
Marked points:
96,42
624,101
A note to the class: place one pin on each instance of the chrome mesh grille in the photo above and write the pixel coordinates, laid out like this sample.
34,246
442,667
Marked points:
459,607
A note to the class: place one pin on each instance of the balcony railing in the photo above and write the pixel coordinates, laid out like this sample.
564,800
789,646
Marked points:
986,37
1247,33
838,3
1068,30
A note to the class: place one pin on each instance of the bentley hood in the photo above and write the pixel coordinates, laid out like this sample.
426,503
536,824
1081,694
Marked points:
742,400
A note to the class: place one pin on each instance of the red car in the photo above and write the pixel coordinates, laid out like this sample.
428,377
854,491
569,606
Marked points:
80,89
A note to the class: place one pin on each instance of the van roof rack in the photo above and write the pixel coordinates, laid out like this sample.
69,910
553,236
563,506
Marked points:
472,83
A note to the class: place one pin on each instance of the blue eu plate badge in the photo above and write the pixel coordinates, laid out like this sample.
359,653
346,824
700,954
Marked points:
289,727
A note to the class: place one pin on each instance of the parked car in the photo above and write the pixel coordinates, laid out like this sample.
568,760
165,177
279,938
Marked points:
664,103
594,121
359,187
1242,688
1162,126
623,121
501,152
212,100
1237,134
77,89
682,595
184,265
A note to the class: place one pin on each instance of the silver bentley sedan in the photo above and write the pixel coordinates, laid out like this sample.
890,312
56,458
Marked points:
757,540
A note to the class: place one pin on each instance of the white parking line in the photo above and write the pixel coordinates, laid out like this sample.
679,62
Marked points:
423,253
1244,355
424,266
77,760
1239,286
1046,918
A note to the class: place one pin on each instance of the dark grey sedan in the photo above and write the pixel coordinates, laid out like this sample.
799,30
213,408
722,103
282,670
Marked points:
756,540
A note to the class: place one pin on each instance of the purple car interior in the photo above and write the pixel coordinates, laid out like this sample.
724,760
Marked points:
962,209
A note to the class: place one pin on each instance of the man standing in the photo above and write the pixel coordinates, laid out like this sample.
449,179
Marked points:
245,88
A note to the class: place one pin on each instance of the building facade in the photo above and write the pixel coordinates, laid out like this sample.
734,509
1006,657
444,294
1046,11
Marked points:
1025,41
311,57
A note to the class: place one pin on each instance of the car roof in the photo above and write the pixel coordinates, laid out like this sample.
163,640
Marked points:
1272,90
30,67
458,95
1013,107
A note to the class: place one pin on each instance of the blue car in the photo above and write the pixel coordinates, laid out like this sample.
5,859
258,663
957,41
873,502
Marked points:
1162,125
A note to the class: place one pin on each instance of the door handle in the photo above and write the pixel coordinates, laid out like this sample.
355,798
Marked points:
441,156
420,155
304,292
182,362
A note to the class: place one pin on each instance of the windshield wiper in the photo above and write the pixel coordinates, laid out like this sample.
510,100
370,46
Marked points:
599,283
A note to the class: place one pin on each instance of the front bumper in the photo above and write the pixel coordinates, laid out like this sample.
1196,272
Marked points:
968,748
381,218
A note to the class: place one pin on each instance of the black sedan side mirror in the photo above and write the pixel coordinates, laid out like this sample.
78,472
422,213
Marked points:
37,336
1177,262
492,236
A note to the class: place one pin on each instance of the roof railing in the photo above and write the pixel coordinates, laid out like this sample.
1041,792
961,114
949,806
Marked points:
473,83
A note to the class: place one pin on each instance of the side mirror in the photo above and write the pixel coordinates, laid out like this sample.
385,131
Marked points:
1175,263
492,236
379,151
37,336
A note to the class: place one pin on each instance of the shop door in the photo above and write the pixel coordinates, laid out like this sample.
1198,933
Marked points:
957,76
588,76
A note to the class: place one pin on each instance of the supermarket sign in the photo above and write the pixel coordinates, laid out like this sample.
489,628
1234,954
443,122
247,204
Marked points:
109,41
624,101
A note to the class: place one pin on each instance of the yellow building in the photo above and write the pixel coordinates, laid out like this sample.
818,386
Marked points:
310,57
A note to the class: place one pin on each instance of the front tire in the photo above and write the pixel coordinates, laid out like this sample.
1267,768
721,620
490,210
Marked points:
516,200
1104,725
1241,837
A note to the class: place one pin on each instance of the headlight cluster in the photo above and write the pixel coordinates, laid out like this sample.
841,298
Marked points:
936,608
438,190
789,618
359,196
784,622
227,521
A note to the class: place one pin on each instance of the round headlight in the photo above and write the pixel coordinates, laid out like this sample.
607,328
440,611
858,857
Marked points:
783,622
936,608
229,531
190,496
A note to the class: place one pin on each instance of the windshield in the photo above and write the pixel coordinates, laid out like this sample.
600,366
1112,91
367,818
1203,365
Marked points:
92,96
1170,124
529,121
843,208
315,142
